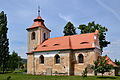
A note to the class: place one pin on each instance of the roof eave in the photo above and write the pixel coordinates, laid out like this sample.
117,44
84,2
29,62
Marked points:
63,49
29,53
31,28
37,27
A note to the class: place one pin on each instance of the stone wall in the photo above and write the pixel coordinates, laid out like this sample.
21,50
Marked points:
110,73
68,62
30,64
50,67
89,58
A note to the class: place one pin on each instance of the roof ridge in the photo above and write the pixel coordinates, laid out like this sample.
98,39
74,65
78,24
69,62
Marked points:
72,35
59,37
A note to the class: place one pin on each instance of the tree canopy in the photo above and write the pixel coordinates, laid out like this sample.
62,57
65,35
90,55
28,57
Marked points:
69,29
101,65
14,60
4,49
91,27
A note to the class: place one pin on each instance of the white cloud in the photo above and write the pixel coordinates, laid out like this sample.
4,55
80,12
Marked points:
113,50
109,9
116,43
107,52
66,18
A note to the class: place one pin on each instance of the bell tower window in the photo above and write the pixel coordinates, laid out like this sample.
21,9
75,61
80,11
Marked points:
44,36
33,36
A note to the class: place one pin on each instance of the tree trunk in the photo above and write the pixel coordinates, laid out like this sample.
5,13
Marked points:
95,73
3,67
102,74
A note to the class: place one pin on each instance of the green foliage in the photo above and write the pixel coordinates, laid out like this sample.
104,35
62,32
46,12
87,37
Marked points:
117,62
4,49
15,61
20,71
95,67
69,29
24,61
102,66
8,78
84,74
91,27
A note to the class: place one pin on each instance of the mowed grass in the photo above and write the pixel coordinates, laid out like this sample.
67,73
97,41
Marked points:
35,77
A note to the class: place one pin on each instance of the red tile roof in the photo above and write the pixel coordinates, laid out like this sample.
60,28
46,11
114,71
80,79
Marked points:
39,17
110,61
38,22
82,41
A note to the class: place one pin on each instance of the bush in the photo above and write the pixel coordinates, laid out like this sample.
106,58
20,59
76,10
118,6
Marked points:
84,74
8,78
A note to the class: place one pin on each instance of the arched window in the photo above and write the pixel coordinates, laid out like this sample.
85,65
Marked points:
44,36
80,58
57,59
41,59
33,36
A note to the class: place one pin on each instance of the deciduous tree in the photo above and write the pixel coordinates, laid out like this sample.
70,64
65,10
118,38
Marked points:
101,65
91,27
69,29
15,61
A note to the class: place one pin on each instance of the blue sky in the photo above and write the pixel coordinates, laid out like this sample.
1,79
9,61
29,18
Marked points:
56,14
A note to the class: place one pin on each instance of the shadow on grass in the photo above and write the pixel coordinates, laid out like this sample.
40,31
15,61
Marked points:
107,77
5,72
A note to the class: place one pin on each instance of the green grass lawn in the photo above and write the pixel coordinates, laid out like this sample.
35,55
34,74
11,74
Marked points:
33,77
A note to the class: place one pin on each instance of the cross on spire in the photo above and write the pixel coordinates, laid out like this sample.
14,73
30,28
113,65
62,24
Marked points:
38,10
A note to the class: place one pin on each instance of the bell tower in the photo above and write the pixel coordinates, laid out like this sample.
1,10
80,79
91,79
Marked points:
37,33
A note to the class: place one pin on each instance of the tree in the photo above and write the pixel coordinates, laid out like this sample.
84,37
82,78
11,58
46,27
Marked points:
4,49
117,69
91,27
15,61
84,73
102,66
117,62
95,67
69,29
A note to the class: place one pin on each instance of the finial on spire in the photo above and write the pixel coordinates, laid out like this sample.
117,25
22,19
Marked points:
38,10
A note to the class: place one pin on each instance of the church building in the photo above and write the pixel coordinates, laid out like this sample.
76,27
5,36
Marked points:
67,55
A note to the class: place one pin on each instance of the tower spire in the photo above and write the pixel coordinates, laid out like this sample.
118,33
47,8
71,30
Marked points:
38,10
